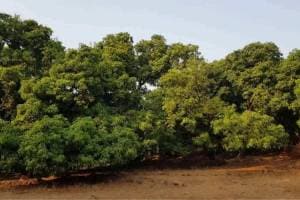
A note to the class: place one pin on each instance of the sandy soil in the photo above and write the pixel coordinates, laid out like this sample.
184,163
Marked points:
255,177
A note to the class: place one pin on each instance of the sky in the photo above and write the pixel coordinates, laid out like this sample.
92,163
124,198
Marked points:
217,26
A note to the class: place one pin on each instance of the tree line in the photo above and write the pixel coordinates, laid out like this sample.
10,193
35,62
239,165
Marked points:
116,101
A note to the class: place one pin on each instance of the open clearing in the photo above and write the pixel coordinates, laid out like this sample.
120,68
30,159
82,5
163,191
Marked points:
268,177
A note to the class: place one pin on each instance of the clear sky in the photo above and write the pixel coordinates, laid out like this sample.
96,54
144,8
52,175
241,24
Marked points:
217,26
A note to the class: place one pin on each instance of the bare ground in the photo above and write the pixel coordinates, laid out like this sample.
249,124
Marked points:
254,177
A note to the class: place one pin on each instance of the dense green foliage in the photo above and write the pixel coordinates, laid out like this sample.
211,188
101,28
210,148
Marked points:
114,102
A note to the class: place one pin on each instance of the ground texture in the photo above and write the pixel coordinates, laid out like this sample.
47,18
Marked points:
253,177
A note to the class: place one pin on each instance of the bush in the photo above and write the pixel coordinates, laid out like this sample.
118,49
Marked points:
249,131
10,138
43,147
91,146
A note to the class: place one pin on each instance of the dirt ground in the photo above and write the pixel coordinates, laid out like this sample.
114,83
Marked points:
254,177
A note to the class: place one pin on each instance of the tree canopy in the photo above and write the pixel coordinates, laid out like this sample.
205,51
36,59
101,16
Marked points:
118,101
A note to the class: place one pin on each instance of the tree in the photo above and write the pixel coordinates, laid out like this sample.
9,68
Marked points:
249,131
73,84
26,50
43,147
193,99
33,110
152,127
93,144
121,71
189,91
27,43
155,58
253,68
107,104
286,87
10,79
10,138
152,60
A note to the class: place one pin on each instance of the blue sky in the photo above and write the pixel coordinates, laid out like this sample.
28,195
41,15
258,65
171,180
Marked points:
217,26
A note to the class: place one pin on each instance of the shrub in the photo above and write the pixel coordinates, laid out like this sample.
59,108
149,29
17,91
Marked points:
249,131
